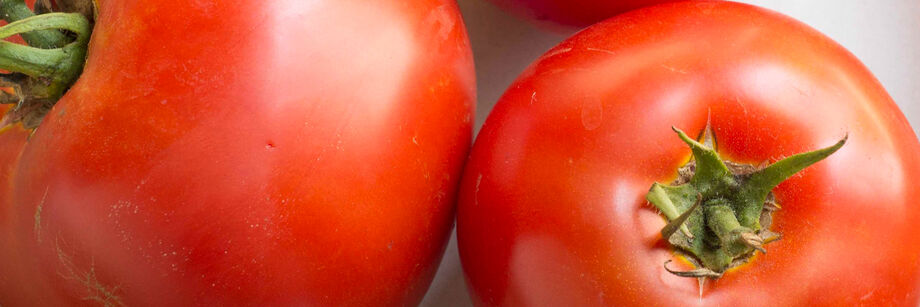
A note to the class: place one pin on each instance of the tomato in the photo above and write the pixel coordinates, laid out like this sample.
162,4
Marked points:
573,13
552,208
12,140
247,153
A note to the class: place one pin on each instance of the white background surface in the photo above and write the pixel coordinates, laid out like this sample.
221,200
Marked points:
883,34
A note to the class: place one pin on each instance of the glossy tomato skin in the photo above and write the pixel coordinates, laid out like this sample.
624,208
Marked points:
573,13
552,209
250,153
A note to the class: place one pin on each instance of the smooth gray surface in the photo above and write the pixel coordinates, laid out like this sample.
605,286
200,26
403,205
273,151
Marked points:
884,34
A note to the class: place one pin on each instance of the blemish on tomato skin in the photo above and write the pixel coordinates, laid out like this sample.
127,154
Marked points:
674,69
867,296
601,50
37,228
441,19
592,113
476,193
96,291
556,51
270,145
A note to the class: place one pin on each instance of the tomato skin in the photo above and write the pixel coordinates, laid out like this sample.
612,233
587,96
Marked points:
575,13
552,209
12,141
280,152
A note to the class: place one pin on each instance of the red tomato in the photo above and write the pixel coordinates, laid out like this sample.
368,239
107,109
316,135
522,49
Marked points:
552,205
12,140
248,153
579,13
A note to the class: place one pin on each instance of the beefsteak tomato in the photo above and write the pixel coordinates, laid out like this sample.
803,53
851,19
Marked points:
245,153
573,13
553,208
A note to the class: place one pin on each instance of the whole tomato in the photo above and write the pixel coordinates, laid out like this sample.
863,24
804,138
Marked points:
573,13
553,208
245,153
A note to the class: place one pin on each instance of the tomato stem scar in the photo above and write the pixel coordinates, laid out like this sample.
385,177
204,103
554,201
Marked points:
720,206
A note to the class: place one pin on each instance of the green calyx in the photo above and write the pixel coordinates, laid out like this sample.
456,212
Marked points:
42,71
718,211
16,10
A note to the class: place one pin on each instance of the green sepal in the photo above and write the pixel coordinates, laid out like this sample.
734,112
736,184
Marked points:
759,184
662,200
711,172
